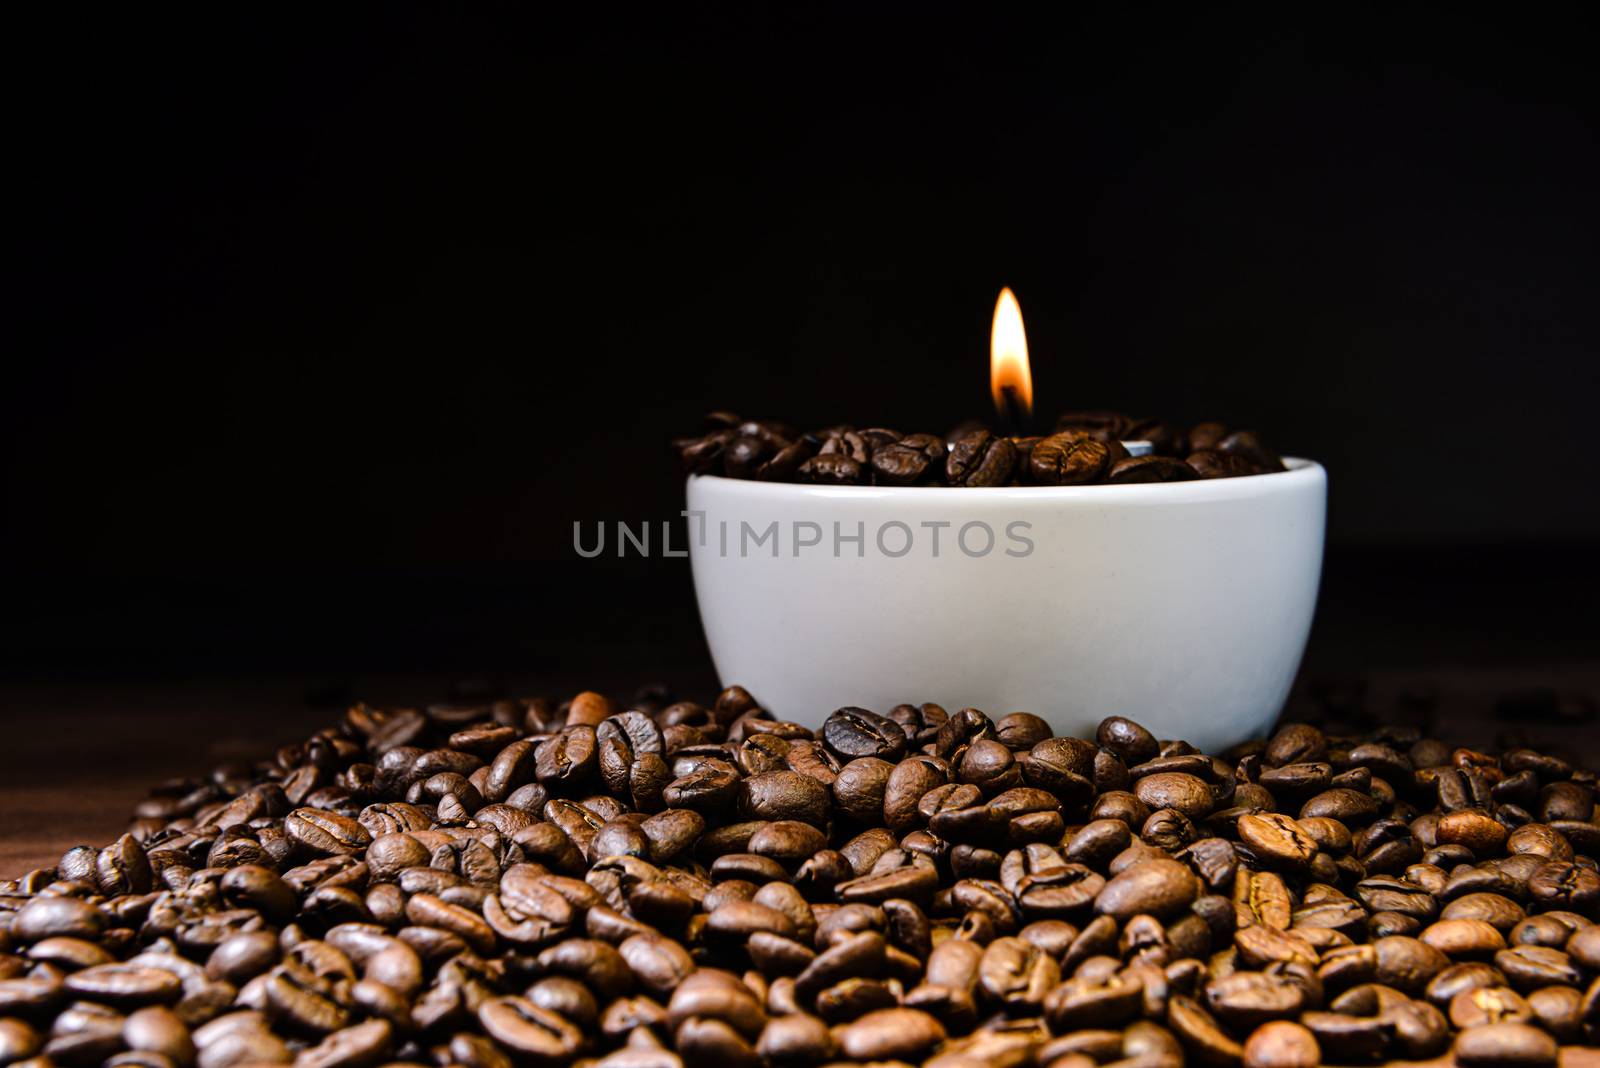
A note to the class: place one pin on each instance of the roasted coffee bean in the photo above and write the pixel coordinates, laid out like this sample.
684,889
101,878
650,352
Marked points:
596,964
1185,793
1122,806
1342,1036
910,460
1130,741
1070,458
1473,828
1261,946
1466,878
1296,743
1504,1044
891,1034
672,832
796,1039
1200,1033
123,868
1168,829
1263,899
1021,731
1530,967
1017,975
1342,804
1582,946
1457,978
1066,767
243,956
568,759
301,1000
1139,469
529,1031
916,885
1088,1000
784,795
1464,939
738,920
69,954
787,841
1104,425
1543,840
1166,439
1559,1010
1277,839
18,1040
909,781
125,985
1334,912
831,469
1566,801
1387,895
855,732
96,1024
1497,910
429,910
1403,962
1245,1000
325,832
1563,884
363,1043
969,455
989,765
659,964
1213,463
56,916
1421,1031
981,459
1098,841
1158,887
1553,929
746,456
1248,444
709,788
1299,780
1488,1005
1281,1044
719,995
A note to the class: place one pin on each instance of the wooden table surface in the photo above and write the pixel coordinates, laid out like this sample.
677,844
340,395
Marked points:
80,757
75,758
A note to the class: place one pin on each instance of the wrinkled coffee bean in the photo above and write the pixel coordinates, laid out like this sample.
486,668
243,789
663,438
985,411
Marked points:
1070,458
981,459
854,732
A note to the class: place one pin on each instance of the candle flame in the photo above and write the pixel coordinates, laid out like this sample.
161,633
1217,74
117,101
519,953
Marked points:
1008,356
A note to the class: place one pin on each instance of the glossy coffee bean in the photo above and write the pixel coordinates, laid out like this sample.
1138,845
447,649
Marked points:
1282,1044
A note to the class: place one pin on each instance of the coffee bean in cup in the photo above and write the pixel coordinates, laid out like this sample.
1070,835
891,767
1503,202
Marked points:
1084,448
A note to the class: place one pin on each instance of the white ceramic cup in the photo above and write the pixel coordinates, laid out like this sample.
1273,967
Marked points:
1184,605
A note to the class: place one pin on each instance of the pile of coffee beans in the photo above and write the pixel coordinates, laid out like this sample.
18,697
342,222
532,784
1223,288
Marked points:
669,884
1085,449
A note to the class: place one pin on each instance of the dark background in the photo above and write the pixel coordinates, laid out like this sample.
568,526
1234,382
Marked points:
331,323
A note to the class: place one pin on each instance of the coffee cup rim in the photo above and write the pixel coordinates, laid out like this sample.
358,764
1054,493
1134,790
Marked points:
1300,473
